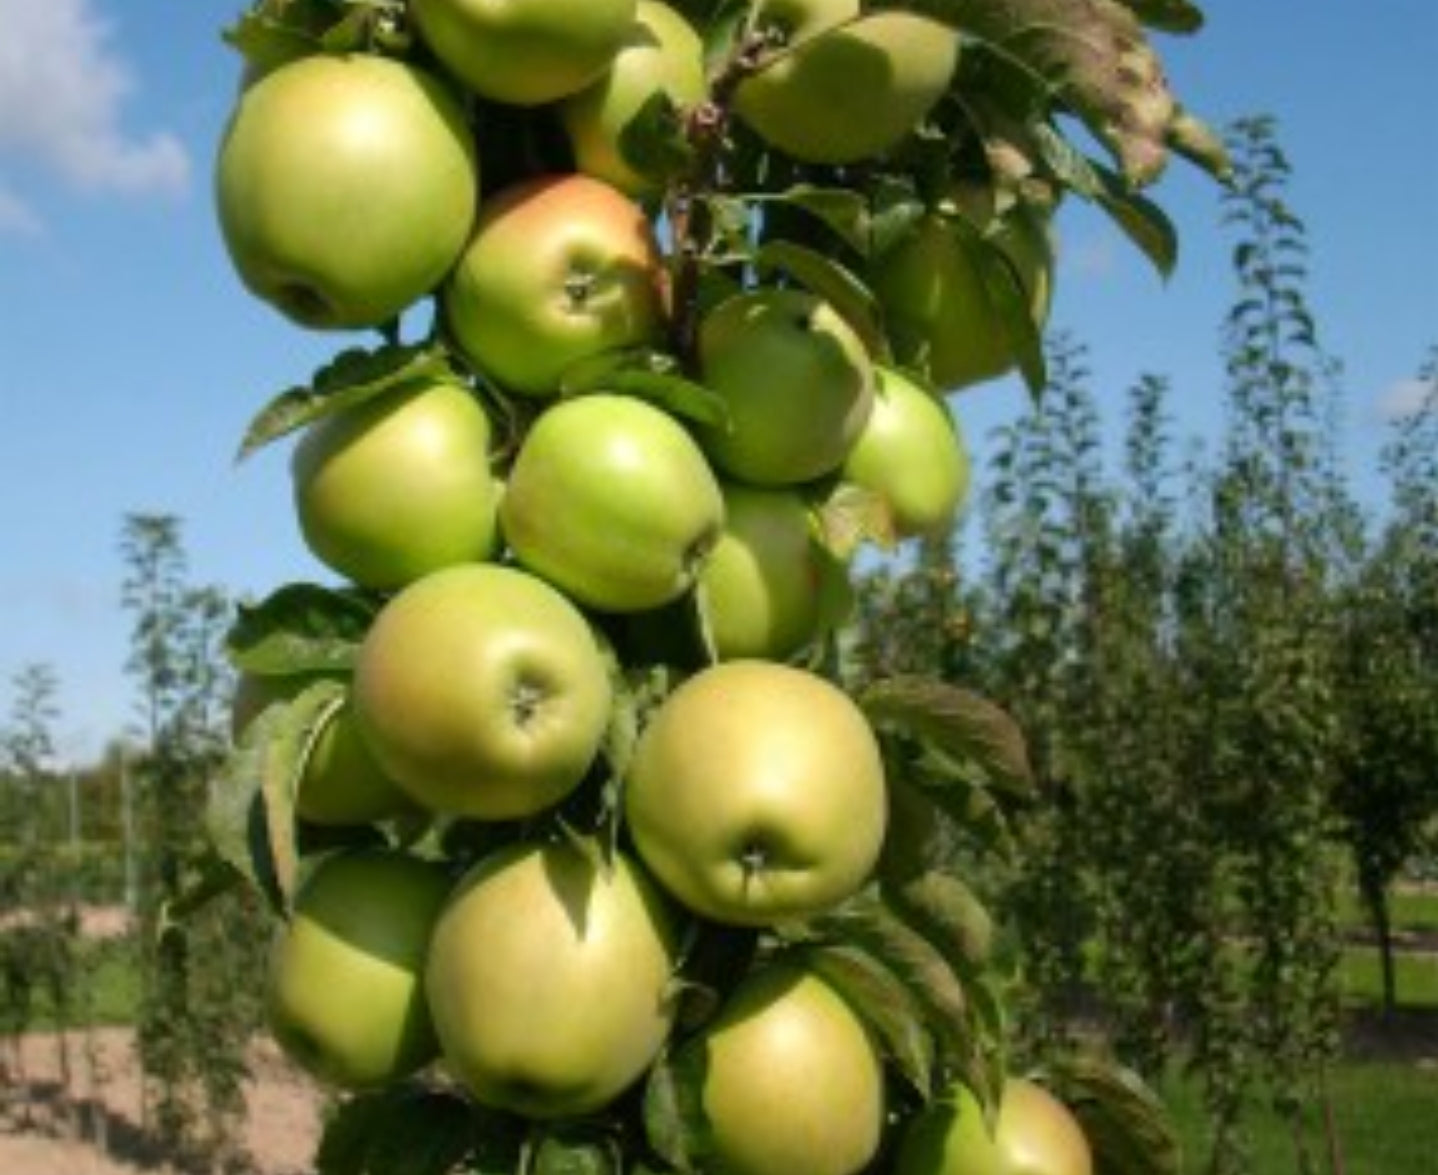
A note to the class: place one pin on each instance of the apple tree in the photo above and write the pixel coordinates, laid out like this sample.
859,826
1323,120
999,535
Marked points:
669,302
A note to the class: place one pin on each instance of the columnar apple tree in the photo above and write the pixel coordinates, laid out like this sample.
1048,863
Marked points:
583,853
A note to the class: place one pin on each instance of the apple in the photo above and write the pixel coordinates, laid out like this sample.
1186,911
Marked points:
399,485
612,500
524,52
756,794
912,454
482,691
550,977
762,588
560,268
792,1081
341,784
661,53
938,308
345,187
344,991
845,86
796,380
1034,1134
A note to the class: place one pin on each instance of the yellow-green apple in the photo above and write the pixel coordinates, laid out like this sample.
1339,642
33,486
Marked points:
1034,1134
399,486
551,979
482,691
763,587
560,268
756,793
796,380
937,304
341,783
344,992
611,499
912,454
661,53
791,1079
524,52
844,86
346,187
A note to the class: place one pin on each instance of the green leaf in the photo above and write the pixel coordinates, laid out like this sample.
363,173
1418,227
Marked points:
1128,1127
1170,16
300,628
948,913
655,141
957,721
275,31
648,375
850,515
674,1120
886,1005
844,211
1140,219
351,378
1007,294
250,814
832,281
412,1129
561,1154
867,923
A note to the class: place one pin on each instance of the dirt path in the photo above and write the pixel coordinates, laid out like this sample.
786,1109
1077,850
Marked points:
38,1124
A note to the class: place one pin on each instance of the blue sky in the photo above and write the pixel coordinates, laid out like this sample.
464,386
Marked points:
131,359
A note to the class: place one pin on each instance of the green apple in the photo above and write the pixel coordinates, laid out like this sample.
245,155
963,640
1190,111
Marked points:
912,454
341,784
483,692
845,87
661,53
612,500
796,380
345,187
559,269
936,302
344,993
756,794
1034,1134
762,588
792,1081
524,52
550,977
399,486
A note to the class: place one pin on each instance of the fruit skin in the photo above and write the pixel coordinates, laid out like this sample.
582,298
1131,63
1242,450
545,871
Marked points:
483,692
932,290
1035,1134
342,785
345,188
661,52
344,993
797,382
912,454
524,52
791,1079
763,584
399,485
612,501
560,268
551,979
756,793
846,94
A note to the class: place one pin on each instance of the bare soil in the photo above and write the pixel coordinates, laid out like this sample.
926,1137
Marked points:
94,1126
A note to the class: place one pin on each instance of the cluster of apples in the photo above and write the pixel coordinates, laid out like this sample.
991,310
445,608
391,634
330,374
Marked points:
531,527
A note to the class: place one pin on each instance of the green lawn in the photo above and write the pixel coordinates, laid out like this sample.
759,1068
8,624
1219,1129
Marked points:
1361,980
1412,908
1385,1118
108,988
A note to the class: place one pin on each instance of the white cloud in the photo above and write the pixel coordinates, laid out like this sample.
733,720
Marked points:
16,217
1404,398
62,90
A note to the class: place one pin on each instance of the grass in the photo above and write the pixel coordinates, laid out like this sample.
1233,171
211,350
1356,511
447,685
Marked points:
107,988
1412,909
1384,1120
1360,979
